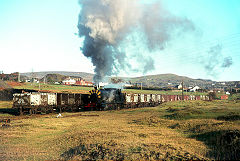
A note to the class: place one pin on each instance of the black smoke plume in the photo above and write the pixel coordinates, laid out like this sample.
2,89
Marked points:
105,25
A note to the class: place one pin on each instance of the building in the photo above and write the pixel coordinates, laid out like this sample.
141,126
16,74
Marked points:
76,81
88,83
69,81
224,97
194,89
180,86
128,85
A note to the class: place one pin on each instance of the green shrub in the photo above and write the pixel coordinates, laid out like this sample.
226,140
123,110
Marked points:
235,97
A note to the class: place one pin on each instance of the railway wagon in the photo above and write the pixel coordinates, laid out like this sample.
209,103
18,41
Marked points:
142,100
33,103
112,99
103,99
71,101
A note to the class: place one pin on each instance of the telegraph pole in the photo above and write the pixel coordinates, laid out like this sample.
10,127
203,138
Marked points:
44,80
19,77
39,86
32,77
182,91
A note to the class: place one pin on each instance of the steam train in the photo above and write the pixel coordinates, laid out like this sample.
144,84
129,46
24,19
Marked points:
102,99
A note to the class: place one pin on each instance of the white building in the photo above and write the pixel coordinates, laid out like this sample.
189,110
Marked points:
180,86
194,89
127,85
228,93
69,81
101,84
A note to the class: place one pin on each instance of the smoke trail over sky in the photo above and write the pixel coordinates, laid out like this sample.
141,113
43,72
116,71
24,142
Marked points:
215,63
106,26
227,62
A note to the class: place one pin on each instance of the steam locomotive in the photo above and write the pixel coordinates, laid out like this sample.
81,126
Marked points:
97,99
106,99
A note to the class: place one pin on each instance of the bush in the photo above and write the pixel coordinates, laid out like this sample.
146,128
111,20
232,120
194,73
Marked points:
229,117
213,96
224,144
235,96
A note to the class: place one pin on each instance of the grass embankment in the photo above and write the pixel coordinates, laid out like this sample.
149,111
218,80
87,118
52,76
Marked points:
174,130
79,89
6,108
5,104
54,88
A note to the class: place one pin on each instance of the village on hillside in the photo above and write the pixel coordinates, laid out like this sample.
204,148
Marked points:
220,87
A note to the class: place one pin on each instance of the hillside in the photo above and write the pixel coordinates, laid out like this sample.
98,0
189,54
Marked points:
164,80
51,78
160,80
86,76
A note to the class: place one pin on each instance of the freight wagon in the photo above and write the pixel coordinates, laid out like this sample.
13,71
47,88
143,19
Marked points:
111,99
36,102
103,99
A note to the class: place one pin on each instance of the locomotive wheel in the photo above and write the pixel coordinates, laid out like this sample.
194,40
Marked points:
77,108
48,110
60,110
35,111
43,110
51,109
20,110
31,111
122,106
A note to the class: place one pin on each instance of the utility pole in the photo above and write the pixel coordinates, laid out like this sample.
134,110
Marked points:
182,91
19,77
141,85
44,79
39,85
32,77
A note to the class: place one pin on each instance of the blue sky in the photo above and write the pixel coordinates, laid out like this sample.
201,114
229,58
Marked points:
39,35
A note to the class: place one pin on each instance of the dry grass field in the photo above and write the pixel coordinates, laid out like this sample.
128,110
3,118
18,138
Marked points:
173,130
5,104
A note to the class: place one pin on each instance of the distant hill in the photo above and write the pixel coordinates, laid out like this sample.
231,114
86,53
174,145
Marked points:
52,78
160,80
164,80
85,76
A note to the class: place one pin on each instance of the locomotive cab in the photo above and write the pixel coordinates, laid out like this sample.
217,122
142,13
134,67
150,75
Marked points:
112,98
106,99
